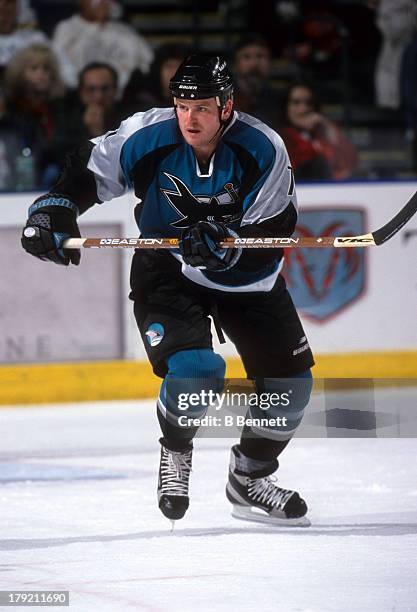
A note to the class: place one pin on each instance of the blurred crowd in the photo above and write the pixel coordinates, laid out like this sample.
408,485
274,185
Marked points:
96,70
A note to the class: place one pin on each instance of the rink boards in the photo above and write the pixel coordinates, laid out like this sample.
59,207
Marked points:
80,322
86,381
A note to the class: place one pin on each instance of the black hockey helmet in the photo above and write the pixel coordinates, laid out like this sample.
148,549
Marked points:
202,76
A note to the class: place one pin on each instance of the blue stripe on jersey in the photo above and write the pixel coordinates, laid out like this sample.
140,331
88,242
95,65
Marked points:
147,140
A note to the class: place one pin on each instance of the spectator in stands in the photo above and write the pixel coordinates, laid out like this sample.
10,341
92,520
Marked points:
142,93
254,93
35,118
395,19
317,148
13,36
92,36
97,110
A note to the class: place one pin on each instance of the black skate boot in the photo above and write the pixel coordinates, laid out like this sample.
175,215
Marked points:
174,473
255,496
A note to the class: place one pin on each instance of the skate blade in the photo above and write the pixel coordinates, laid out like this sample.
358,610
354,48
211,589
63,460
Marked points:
256,515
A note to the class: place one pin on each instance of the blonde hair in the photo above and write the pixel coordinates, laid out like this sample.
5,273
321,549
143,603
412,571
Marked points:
14,76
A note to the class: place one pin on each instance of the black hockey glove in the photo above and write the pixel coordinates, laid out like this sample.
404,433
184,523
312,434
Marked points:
46,229
199,246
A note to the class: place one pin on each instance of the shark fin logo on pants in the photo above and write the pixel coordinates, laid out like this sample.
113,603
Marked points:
154,334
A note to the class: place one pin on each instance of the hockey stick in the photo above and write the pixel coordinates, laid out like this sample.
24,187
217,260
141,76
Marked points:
373,239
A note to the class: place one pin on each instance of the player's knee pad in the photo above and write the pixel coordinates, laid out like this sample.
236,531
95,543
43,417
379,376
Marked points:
192,375
196,363
281,402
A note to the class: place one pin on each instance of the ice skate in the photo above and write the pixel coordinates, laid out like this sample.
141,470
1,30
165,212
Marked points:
256,497
174,474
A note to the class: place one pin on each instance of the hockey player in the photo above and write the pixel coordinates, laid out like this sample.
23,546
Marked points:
202,172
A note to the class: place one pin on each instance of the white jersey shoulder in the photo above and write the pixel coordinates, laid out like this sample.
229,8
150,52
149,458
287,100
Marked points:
257,124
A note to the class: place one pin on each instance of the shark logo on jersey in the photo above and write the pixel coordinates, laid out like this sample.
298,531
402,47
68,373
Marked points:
154,334
219,207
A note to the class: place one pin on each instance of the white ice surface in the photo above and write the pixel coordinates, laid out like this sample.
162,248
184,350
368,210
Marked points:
78,512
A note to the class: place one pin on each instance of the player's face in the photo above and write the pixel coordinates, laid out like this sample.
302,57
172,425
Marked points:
199,121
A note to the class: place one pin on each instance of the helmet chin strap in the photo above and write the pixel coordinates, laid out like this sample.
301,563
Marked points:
221,127
222,122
